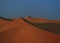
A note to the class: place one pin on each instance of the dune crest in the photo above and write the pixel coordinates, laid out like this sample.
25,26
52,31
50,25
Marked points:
21,30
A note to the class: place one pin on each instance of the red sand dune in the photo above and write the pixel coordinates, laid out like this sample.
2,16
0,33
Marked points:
19,31
41,20
3,22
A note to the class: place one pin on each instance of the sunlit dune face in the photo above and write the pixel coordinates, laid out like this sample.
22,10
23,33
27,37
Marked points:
3,22
20,30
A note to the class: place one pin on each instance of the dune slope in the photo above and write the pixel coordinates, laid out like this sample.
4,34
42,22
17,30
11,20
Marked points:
21,31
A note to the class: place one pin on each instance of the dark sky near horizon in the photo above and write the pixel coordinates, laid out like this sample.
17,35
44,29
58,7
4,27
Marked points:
49,9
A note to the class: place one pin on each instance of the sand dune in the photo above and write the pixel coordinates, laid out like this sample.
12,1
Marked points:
20,30
41,20
3,22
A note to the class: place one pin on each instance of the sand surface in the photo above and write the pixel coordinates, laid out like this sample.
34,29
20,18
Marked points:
19,31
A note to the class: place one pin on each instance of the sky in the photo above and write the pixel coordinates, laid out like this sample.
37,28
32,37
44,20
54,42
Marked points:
49,9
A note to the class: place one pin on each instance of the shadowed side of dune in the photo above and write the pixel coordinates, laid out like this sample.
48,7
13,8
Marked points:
50,27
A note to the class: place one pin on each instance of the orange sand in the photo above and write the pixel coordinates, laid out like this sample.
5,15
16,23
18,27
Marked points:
19,31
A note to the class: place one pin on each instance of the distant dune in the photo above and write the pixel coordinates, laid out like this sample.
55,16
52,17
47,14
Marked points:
41,20
29,30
